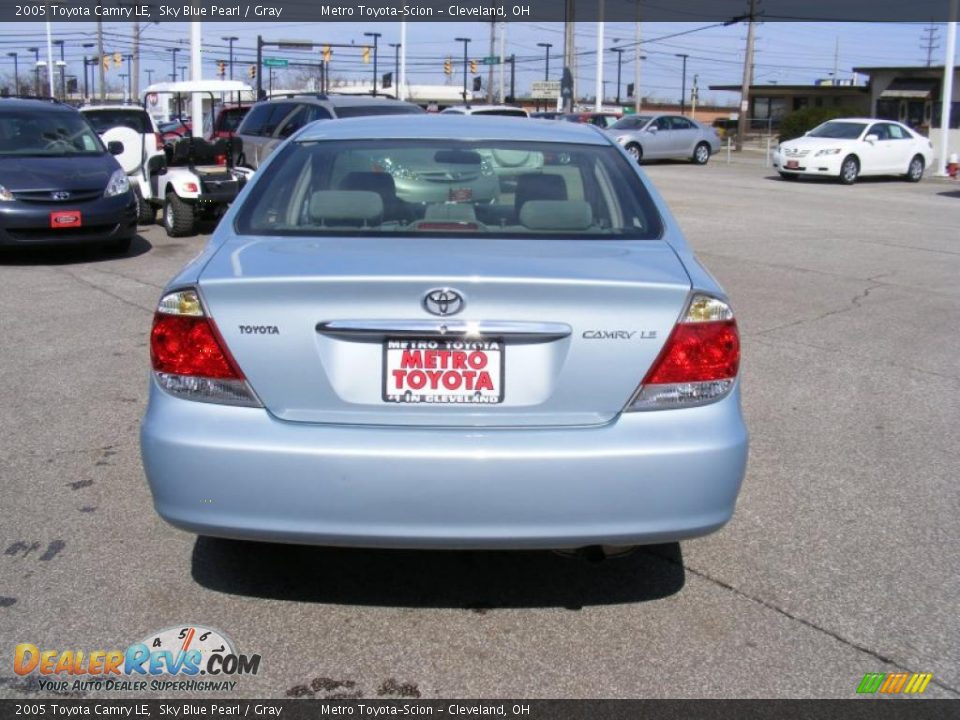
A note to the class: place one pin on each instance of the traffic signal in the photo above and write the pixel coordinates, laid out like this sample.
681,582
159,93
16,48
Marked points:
327,53
117,59
365,54
473,67
252,72
221,68
477,83
448,67
387,80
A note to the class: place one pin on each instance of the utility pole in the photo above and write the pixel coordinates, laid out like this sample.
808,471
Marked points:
135,73
173,71
598,104
694,96
102,70
503,60
231,39
742,122
929,42
683,83
493,50
570,51
637,38
63,68
36,70
466,62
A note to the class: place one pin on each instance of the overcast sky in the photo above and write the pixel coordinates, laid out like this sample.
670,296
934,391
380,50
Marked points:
787,53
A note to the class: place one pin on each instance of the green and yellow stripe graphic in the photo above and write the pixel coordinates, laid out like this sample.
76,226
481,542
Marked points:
894,683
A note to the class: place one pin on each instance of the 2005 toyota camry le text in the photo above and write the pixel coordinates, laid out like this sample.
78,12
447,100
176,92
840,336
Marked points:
471,333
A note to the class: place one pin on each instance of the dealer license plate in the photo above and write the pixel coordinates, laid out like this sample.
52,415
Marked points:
442,371
65,219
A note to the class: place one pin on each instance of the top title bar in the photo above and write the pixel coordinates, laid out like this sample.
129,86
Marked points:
706,11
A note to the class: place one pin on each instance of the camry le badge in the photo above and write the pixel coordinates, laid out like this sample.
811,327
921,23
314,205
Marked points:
443,301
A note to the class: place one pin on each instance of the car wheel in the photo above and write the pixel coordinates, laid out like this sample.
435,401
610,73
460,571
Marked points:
146,213
179,218
635,151
118,247
701,154
915,171
849,170
789,176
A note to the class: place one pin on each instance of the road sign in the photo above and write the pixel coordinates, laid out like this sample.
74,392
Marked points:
274,62
545,89
491,60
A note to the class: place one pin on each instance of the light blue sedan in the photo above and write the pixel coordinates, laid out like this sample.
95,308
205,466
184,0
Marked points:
552,368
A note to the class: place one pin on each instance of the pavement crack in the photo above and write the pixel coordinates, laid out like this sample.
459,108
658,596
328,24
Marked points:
105,292
803,621
855,302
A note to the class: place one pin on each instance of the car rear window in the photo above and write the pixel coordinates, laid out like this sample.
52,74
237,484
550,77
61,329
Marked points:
417,187
103,120
229,119
349,111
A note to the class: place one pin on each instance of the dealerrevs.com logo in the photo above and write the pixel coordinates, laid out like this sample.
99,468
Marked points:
187,657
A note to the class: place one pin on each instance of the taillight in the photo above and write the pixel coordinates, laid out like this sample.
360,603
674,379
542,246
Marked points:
190,359
698,363
220,159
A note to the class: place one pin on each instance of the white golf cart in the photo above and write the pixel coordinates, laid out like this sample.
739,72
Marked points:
195,178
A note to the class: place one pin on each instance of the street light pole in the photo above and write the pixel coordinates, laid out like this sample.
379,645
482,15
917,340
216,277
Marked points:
683,83
16,73
173,73
63,70
36,69
376,37
230,39
149,72
183,72
396,67
546,67
619,52
129,78
466,61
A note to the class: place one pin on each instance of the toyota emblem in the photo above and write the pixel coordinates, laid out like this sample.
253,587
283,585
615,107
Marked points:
443,301
60,195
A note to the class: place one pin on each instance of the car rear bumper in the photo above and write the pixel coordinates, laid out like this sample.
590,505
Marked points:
646,478
103,220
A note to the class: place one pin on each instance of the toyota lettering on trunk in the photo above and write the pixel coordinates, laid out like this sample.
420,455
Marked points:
443,371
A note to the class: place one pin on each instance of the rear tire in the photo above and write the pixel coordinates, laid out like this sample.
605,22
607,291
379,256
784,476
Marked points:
179,217
635,151
701,154
849,170
915,170
146,213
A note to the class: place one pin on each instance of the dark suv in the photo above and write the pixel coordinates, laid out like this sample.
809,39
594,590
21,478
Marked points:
272,121
58,183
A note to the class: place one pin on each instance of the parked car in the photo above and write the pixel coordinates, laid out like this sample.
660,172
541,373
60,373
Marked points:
660,137
600,119
228,119
175,129
552,369
497,110
142,140
849,148
59,184
270,122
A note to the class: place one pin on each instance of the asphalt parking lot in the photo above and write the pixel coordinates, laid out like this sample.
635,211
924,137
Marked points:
841,559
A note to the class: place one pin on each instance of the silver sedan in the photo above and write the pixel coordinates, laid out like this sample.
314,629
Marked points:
549,368
661,137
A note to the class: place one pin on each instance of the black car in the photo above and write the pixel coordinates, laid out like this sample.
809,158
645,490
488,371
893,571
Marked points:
58,183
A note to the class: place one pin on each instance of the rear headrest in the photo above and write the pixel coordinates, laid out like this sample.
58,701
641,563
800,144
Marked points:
556,215
378,182
537,186
450,212
345,206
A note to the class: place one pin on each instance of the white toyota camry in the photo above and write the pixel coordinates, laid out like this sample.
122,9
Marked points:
848,148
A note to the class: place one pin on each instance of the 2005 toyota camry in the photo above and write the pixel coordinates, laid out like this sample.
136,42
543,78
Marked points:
346,365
